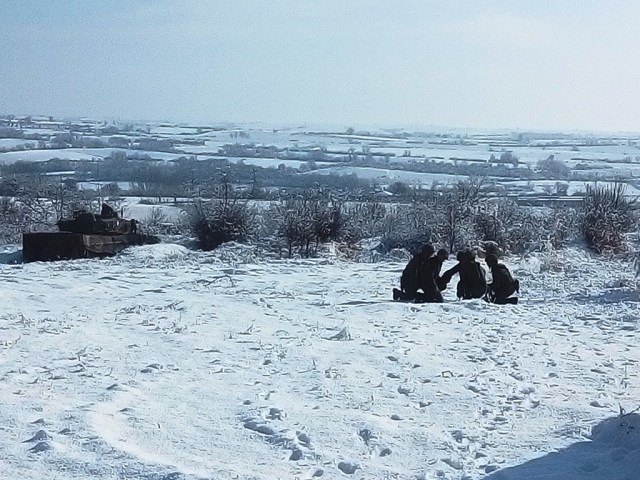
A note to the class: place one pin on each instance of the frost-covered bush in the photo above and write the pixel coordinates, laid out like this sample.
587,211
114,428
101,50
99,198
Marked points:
489,226
455,211
521,229
442,218
562,226
33,210
14,219
363,220
220,221
553,168
327,221
302,224
157,223
607,216
293,219
31,204
511,227
408,227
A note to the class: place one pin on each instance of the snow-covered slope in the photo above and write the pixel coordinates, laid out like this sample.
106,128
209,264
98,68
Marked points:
165,363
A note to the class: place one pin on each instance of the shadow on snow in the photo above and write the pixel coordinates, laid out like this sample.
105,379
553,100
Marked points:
612,296
11,257
611,454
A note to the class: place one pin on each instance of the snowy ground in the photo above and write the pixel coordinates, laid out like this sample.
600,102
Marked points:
8,158
163,363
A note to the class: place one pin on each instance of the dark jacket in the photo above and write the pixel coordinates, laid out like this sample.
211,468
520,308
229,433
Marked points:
502,278
503,286
410,279
429,278
473,283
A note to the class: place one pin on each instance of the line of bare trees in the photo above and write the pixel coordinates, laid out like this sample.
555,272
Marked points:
460,217
299,224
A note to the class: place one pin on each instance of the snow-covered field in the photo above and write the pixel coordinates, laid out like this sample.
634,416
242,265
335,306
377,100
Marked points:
165,363
11,143
384,175
574,187
8,158
593,157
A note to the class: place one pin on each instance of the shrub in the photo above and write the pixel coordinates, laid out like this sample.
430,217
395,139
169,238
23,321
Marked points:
504,223
363,220
563,226
518,229
408,227
219,222
14,219
457,208
302,224
553,168
158,222
295,226
607,216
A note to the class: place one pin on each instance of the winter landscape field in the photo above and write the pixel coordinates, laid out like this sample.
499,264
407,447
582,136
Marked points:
207,209
517,163
169,363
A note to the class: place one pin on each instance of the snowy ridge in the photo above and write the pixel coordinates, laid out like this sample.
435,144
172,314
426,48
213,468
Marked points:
165,363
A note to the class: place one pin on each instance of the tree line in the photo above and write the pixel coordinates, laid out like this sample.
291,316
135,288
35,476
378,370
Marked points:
296,214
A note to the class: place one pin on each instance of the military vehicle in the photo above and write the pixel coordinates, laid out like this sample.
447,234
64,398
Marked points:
86,235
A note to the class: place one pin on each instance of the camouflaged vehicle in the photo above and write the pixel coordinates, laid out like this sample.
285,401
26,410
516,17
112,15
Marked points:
85,235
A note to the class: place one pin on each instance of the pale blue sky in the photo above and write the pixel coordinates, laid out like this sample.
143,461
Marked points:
536,64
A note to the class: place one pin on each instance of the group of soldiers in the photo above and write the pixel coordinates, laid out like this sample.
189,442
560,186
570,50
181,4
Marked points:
422,282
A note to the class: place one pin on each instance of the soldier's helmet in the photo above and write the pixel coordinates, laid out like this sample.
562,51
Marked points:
469,255
491,260
428,250
443,254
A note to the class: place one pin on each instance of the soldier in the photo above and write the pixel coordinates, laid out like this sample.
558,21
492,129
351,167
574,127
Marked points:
503,284
472,283
431,282
410,279
108,212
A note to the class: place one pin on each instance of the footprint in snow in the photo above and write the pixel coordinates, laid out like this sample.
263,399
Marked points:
453,463
366,435
274,414
296,454
386,451
39,435
259,427
348,467
40,447
303,438
405,390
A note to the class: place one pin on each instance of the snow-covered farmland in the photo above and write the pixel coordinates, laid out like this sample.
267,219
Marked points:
573,187
391,155
7,158
164,363
14,143
390,176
